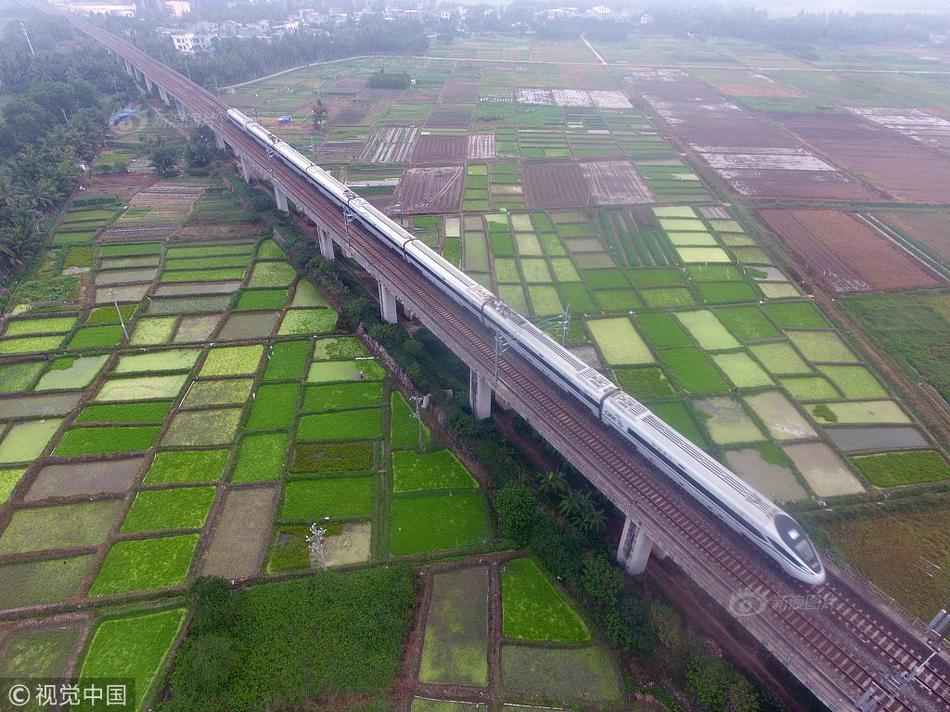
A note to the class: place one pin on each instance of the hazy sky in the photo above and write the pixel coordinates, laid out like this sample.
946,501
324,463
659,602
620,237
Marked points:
791,7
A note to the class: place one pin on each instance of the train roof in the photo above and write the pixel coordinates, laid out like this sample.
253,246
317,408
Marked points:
725,482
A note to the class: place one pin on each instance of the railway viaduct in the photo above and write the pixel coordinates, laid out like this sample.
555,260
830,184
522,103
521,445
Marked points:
834,638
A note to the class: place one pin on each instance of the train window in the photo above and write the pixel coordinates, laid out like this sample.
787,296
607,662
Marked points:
795,539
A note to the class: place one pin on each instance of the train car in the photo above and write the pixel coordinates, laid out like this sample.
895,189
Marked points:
719,490
583,382
453,281
723,493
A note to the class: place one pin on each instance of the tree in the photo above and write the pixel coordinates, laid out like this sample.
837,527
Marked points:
515,506
551,483
603,581
201,148
40,148
573,503
560,552
210,663
164,156
591,519
715,685
675,643
635,613
215,603
384,80
18,238
320,115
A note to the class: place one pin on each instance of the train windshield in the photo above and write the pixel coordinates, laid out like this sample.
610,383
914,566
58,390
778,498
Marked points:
796,539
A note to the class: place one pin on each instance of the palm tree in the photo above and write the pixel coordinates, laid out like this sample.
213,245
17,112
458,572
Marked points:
43,194
592,520
16,238
551,483
9,260
573,503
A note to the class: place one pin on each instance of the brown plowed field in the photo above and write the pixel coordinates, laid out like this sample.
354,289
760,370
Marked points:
429,190
460,91
440,149
615,183
756,158
123,185
352,114
915,124
902,167
845,254
554,184
930,229
744,82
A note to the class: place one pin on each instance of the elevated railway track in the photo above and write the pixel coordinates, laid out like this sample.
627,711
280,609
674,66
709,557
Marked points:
835,639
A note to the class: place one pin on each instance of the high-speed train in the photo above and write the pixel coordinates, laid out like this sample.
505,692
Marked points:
717,488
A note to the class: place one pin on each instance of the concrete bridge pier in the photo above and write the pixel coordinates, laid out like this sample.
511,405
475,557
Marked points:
326,243
162,92
635,547
181,111
387,304
247,172
479,395
128,68
219,141
281,197
148,83
502,403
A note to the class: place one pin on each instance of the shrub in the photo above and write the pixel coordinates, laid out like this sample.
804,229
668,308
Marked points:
413,349
559,552
642,639
603,581
716,686
515,506
215,604
213,663
616,630
415,371
676,645
332,634
385,333
357,310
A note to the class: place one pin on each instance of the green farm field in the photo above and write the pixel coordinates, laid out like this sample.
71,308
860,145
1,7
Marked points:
224,411
208,415
679,300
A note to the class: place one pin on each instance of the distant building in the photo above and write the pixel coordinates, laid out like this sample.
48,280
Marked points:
310,16
177,8
558,12
192,42
90,8
286,26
